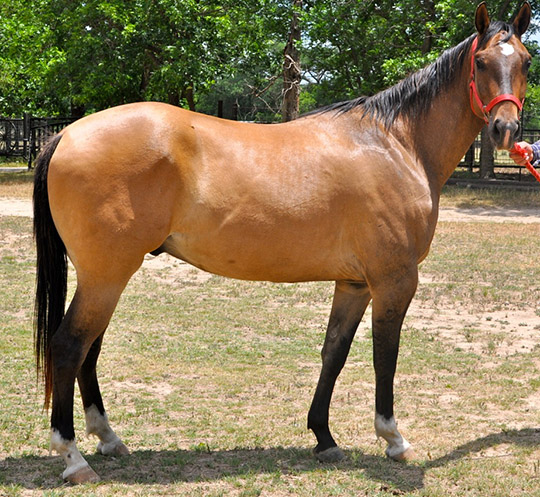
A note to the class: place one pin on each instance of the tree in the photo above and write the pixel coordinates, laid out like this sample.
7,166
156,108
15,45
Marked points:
85,56
62,57
147,49
359,48
292,75
24,58
486,156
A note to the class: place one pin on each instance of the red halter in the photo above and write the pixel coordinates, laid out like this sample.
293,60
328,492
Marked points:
474,97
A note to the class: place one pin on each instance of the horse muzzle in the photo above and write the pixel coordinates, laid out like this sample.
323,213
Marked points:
503,132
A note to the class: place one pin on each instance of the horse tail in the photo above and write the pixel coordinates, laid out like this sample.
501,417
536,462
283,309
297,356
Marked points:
51,270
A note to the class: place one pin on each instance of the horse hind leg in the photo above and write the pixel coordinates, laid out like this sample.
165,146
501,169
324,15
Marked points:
348,307
73,355
97,422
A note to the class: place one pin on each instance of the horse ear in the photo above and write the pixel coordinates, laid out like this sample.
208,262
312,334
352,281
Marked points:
482,18
522,20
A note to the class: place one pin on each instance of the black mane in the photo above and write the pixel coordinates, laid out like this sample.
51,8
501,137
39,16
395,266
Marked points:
412,96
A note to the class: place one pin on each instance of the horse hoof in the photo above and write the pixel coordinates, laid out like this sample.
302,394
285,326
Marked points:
113,449
408,455
83,475
333,454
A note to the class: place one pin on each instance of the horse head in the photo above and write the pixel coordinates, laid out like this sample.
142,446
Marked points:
499,67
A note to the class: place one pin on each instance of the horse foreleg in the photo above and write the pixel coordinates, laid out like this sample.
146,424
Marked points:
348,307
96,418
390,303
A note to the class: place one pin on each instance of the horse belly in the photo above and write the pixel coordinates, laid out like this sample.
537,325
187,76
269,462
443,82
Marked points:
284,257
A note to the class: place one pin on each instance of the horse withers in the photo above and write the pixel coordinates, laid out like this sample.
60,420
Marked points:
349,193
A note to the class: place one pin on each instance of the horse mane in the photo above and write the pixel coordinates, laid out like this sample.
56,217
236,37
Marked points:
413,95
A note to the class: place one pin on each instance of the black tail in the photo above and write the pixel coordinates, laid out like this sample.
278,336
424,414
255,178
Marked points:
51,272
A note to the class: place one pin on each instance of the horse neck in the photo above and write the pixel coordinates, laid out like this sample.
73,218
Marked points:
444,134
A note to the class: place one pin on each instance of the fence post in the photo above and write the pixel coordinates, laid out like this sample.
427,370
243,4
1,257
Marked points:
26,134
469,157
235,112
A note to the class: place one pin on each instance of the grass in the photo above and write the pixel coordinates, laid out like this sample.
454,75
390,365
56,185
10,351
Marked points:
16,185
209,380
466,198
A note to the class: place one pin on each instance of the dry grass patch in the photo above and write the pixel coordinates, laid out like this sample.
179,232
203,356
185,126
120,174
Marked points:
505,198
16,185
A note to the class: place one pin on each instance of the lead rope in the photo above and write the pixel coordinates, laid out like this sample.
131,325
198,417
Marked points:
521,151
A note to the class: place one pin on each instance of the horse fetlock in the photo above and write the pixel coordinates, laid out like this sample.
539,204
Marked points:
116,448
398,447
77,469
97,424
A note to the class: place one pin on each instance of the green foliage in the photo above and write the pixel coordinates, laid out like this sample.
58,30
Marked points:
64,57
358,48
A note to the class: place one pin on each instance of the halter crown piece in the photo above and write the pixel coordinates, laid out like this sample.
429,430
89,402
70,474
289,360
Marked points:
486,109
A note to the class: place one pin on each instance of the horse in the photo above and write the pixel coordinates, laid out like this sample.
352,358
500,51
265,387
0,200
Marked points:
348,194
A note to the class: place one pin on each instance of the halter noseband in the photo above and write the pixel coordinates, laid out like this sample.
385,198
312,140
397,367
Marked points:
474,97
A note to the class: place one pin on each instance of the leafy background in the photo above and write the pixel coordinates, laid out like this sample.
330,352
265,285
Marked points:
71,58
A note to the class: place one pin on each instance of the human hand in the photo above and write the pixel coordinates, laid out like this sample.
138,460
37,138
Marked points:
521,159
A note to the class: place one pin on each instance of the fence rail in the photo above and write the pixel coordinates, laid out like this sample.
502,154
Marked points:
25,136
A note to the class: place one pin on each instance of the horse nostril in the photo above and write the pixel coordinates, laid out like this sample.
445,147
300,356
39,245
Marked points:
503,128
515,128
496,130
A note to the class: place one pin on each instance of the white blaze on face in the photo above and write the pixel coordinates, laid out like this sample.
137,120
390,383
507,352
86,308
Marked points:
506,49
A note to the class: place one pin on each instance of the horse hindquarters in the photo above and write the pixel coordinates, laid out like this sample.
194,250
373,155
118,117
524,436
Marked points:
68,346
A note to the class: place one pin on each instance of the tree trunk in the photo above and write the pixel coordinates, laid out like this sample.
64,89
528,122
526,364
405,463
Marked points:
503,9
174,98
291,68
427,44
486,156
77,110
187,93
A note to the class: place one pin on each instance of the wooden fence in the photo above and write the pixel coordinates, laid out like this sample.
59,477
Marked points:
25,136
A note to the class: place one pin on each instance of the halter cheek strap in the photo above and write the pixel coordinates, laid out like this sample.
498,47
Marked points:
475,97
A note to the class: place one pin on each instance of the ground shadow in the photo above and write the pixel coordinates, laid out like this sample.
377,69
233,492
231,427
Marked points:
200,464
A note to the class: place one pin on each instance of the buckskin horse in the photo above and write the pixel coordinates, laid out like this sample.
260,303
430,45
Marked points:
349,193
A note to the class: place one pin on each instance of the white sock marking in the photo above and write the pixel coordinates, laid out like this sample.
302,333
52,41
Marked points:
97,424
69,452
387,429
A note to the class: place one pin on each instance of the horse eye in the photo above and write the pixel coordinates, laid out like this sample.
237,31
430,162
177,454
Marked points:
527,65
480,64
